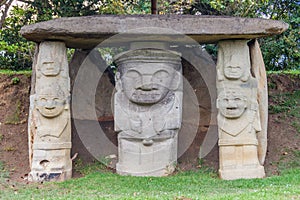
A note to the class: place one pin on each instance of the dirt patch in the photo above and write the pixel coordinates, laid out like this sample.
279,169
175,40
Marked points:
14,102
283,138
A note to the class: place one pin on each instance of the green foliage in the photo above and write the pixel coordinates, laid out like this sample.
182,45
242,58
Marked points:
95,166
16,53
12,72
174,7
289,160
15,80
249,8
293,72
296,124
46,10
280,52
288,103
3,172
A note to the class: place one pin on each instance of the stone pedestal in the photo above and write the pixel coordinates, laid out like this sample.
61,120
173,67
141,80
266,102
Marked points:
138,158
49,120
238,117
147,111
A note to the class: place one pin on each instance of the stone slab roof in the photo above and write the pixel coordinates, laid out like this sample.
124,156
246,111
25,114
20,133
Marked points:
87,32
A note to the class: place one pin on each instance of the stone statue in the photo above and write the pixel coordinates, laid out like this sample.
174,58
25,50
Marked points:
52,61
50,125
233,60
239,118
51,104
239,122
147,111
52,142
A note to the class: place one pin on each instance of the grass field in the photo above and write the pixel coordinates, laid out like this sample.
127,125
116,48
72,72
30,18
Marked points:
11,72
203,184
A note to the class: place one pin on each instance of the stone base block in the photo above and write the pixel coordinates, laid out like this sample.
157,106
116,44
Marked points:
245,173
151,158
38,176
50,165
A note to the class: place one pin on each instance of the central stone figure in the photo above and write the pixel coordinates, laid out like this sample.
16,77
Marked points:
148,111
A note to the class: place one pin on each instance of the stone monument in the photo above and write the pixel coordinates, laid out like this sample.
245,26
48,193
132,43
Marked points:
238,118
50,127
148,98
147,111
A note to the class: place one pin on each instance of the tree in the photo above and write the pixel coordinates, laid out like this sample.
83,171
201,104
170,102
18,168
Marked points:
4,7
280,51
16,52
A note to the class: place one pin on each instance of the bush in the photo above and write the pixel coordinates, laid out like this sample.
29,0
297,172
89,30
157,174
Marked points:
16,52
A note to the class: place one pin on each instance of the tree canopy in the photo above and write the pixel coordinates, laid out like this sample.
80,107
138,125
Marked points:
280,52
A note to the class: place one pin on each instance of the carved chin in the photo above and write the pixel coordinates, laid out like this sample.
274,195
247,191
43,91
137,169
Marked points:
146,97
233,75
50,71
50,112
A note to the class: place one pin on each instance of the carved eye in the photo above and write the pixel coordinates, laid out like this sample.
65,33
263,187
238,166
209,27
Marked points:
132,74
237,99
47,62
161,75
226,100
43,99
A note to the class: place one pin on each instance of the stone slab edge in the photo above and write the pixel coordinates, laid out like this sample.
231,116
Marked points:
89,31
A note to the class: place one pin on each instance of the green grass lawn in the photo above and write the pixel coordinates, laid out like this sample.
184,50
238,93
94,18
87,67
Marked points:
291,72
12,72
186,185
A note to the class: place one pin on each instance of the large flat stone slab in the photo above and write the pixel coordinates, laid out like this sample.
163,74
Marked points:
87,32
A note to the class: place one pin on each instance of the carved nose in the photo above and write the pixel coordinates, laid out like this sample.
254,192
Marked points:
50,104
146,87
147,83
232,104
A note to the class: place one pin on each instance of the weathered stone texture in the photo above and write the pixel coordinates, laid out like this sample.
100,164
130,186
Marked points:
49,124
259,72
239,117
148,111
87,32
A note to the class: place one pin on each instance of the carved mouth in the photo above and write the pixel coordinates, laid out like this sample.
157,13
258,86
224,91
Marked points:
232,108
50,108
146,89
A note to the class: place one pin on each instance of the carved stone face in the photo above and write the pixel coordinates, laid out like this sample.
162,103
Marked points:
50,67
50,103
233,71
51,56
233,68
232,104
50,106
236,60
147,83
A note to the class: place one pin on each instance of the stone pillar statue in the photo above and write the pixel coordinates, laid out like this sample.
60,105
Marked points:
148,111
238,117
49,124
